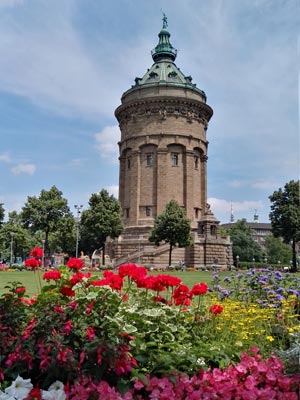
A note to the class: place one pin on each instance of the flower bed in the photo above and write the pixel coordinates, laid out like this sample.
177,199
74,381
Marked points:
136,336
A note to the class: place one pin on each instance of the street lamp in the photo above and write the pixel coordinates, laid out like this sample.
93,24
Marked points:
78,210
237,261
265,260
11,246
43,256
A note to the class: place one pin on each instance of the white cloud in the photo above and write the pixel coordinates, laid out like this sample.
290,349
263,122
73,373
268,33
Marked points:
106,143
5,157
24,169
241,209
114,190
46,59
76,162
268,185
235,183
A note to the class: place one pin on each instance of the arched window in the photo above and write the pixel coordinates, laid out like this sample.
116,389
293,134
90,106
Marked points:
213,230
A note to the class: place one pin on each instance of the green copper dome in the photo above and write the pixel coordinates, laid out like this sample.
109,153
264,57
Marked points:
164,71
164,49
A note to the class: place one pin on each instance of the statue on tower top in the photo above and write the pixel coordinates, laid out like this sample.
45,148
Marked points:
165,21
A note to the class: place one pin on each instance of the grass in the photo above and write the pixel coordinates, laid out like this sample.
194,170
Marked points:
29,279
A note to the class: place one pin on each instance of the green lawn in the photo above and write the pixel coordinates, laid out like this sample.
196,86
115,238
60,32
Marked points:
29,278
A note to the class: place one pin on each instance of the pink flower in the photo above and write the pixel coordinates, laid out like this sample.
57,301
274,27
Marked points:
90,333
20,289
90,307
67,327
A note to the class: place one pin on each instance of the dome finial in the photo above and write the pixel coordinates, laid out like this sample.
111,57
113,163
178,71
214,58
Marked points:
164,49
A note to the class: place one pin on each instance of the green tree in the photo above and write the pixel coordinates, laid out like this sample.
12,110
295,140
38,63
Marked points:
63,239
173,227
2,214
276,250
15,240
285,216
243,244
44,213
100,220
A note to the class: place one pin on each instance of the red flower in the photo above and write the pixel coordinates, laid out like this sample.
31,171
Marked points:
20,289
67,291
199,288
37,252
90,307
114,281
34,394
55,275
100,282
216,309
168,280
146,282
78,277
75,263
58,309
32,263
90,333
133,271
67,327
182,296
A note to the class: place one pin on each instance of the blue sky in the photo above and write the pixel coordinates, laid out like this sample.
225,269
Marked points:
64,65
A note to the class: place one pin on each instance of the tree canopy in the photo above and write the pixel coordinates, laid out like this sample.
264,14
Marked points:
2,214
243,244
44,213
15,240
100,220
285,215
276,250
173,227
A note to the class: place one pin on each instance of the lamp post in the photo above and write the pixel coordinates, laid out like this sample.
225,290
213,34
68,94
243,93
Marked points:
237,262
78,211
43,256
11,247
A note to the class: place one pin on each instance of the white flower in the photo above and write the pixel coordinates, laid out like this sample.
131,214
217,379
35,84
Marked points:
53,395
4,396
19,388
55,392
57,385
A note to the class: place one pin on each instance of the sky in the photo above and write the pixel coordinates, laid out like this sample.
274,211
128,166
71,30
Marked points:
64,65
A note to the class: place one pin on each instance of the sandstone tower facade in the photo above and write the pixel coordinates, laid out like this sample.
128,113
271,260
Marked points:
163,120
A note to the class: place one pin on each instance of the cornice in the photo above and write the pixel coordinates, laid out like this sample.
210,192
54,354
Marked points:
163,108
156,138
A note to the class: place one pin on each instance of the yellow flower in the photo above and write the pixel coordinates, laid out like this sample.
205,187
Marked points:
270,338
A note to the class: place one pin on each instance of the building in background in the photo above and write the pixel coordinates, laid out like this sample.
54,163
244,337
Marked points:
163,120
259,230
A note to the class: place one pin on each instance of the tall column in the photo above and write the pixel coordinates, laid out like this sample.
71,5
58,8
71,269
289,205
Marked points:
189,184
203,159
135,187
161,179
